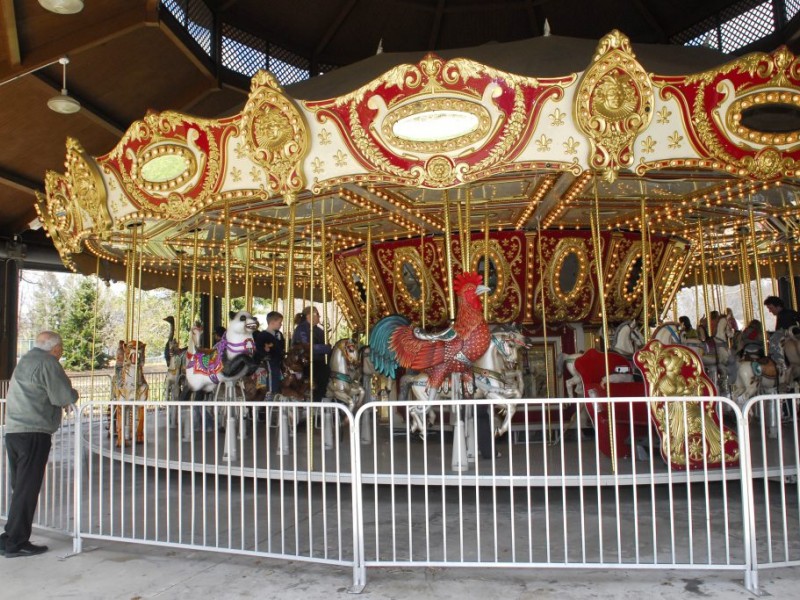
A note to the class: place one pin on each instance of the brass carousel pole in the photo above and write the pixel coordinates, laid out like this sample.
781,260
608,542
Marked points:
645,298
544,314
758,279
368,303
705,281
226,303
289,280
139,308
248,283
789,257
94,320
747,292
193,313
179,293
274,297
461,238
696,296
772,276
486,261
468,233
422,286
601,288
324,267
310,436
211,304
448,253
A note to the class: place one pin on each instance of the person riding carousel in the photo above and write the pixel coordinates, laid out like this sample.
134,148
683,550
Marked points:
687,331
751,340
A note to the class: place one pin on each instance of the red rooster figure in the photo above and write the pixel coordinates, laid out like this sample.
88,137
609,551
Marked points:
393,342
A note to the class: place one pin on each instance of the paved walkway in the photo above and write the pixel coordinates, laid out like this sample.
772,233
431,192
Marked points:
109,570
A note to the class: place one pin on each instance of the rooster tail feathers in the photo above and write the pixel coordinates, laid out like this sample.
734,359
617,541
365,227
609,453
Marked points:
382,355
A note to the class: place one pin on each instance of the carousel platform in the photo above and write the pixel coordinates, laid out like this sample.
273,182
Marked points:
533,454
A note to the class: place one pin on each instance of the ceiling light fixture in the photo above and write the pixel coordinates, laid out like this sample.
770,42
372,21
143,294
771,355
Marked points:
64,103
62,7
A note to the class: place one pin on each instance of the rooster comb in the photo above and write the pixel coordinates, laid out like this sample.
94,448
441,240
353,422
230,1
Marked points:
465,279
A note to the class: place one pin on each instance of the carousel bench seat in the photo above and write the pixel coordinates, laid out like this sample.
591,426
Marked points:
631,419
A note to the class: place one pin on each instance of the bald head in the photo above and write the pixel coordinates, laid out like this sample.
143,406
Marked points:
51,342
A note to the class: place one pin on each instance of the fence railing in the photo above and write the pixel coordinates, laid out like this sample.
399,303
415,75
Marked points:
312,482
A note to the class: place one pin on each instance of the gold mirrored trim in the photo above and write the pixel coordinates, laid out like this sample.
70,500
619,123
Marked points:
777,98
153,153
420,107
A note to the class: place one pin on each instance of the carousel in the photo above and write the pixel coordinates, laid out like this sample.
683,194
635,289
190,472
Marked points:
454,212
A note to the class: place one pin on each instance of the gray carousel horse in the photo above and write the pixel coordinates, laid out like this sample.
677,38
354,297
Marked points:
717,351
344,382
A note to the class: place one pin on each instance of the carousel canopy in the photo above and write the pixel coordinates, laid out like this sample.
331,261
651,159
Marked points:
645,176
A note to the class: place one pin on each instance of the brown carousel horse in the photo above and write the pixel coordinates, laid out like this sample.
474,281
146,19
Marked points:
129,384
294,385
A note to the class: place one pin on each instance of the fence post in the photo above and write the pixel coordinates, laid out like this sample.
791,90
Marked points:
77,477
359,567
748,495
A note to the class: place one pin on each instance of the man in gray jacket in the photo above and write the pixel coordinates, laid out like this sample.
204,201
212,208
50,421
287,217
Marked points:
37,394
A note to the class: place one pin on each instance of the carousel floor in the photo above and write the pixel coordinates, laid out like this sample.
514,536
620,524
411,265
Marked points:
532,457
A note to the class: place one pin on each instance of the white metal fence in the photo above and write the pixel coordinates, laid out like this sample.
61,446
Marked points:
363,491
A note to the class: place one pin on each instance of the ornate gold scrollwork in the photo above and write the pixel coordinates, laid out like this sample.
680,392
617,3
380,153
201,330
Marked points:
411,279
59,215
86,188
614,104
692,429
572,305
276,134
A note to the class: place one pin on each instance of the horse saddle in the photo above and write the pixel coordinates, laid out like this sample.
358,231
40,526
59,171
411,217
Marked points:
206,363
764,367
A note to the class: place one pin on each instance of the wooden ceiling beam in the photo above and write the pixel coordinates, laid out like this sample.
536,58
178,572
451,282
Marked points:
182,43
10,29
90,37
191,97
19,182
337,23
88,110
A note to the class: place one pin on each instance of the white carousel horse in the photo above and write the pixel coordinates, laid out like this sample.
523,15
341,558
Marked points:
672,333
626,338
129,384
229,361
717,351
497,374
574,384
494,375
345,373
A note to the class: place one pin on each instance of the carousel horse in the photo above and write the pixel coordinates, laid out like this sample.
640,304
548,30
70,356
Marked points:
374,381
790,343
494,376
672,333
574,384
497,374
626,338
717,352
294,385
229,361
129,384
343,384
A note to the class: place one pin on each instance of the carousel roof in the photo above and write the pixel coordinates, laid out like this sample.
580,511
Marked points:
445,146
552,133
131,56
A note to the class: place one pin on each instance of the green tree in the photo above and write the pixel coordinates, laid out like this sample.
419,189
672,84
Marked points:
79,330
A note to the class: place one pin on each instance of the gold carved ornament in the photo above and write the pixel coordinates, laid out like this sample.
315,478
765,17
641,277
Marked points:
689,430
87,189
572,305
430,77
780,69
277,136
176,134
59,215
614,105
407,283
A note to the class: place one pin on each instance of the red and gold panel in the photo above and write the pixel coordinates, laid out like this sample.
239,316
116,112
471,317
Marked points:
712,104
566,297
502,108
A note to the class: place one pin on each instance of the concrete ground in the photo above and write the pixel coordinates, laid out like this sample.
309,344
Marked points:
111,570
